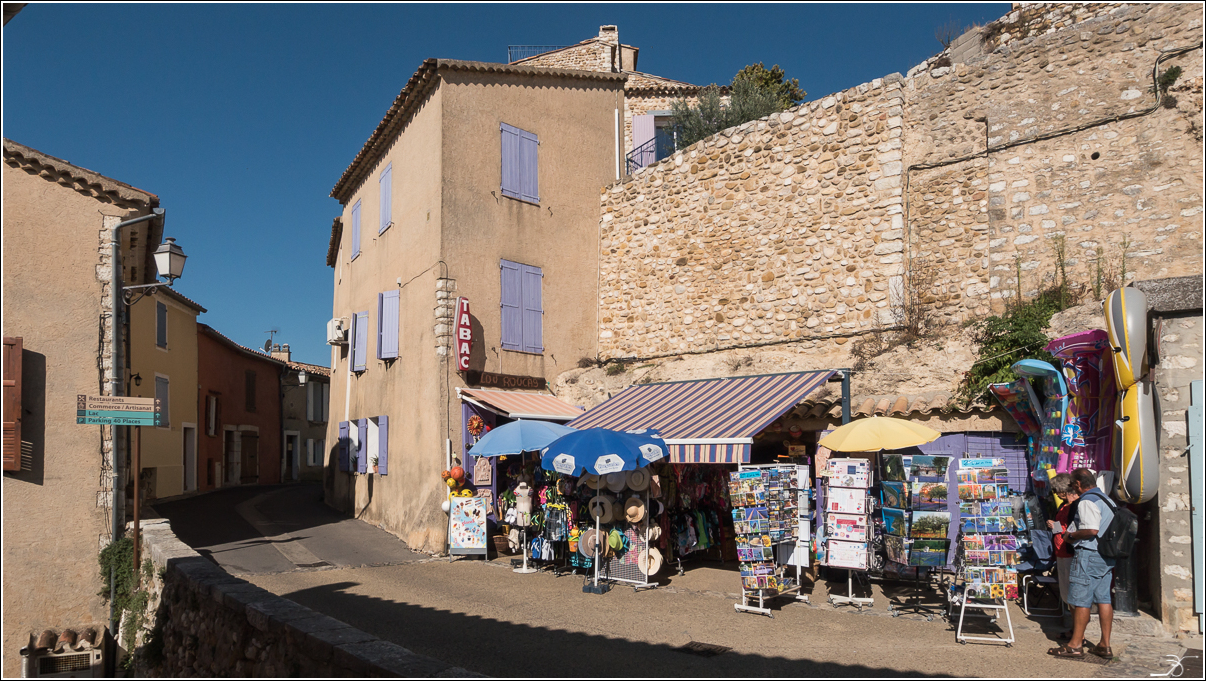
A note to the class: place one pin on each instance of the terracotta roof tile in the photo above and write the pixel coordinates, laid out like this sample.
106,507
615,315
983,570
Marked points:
214,333
333,244
309,368
68,640
821,404
80,179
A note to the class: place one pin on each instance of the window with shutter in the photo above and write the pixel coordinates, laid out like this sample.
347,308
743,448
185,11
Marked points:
533,312
249,384
320,454
309,451
162,393
211,415
360,353
520,164
344,446
362,446
387,325
310,401
160,324
13,353
355,230
385,186
522,308
326,403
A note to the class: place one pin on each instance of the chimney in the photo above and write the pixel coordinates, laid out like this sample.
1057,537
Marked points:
609,34
281,352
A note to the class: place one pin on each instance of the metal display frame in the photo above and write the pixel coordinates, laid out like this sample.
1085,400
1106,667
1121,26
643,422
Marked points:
850,599
638,536
746,604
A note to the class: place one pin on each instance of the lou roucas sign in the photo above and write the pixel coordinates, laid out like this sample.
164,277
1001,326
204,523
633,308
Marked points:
116,411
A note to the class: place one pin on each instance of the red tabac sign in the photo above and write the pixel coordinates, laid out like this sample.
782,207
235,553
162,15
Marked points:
464,334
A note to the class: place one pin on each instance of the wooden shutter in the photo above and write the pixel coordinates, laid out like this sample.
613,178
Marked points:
362,445
356,229
160,324
344,444
211,415
326,403
511,303
13,353
361,353
533,312
162,393
385,185
511,175
249,385
310,401
383,444
643,131
320,458
529,187
387,325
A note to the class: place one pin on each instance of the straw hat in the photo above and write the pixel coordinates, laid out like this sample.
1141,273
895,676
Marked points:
655,532
588,543
650,562
601,508
591,480
615,540
634,509
616,481
638,479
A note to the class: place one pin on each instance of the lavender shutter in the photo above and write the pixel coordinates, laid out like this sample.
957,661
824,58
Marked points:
511,302
643,132
356,229
361,445
529,185
510,161
343,445
160,324
383,445
386,191
361,352
533,312
387,325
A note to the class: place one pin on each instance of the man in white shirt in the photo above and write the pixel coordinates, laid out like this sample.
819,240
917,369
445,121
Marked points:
1092,573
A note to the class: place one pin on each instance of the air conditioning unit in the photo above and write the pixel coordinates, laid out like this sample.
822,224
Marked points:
337,332
71,665
65,655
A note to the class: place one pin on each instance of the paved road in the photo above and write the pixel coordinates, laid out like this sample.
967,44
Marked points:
279,528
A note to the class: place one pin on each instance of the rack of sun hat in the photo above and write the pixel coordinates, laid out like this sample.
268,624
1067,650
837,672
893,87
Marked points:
629,537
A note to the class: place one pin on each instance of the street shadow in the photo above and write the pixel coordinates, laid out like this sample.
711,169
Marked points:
210,520
499,648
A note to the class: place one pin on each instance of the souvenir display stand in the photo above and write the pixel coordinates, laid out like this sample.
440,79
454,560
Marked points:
627,568
770,508
916,519
846,528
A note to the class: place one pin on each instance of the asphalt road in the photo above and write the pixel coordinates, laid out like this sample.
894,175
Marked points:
279,528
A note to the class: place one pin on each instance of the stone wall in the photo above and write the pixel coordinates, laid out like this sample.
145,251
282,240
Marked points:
208,623
813,224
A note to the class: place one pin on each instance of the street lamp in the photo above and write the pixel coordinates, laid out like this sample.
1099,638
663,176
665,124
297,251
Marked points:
169,260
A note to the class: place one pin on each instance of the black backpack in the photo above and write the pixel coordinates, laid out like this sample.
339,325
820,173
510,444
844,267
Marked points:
1118,539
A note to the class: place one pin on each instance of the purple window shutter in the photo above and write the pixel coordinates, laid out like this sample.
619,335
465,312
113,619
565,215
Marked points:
387,329
511,303
343,446
385,185
533,312
356,229
529,184
510,161
383,445
643,132
362,445
361,352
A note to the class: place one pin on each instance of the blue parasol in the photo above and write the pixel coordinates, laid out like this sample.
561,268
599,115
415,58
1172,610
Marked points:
519,436
602,451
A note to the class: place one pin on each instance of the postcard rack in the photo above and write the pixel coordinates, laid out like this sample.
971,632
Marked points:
784,491
847,526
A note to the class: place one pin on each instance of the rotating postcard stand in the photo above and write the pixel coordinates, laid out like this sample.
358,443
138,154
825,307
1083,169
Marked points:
777,486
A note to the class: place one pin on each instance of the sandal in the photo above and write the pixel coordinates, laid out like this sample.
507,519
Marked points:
1100,651
1068,651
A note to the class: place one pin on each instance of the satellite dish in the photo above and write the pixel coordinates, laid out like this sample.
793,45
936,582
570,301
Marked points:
268,346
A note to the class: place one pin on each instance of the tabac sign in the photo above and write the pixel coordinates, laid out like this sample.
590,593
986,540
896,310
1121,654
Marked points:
464,334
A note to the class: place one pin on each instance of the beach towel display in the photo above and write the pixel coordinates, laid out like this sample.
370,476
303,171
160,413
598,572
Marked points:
1088,368
1047,451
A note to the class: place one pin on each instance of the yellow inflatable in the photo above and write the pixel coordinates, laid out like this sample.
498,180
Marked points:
1136,450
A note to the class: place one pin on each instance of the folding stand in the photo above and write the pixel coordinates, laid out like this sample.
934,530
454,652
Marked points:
997,604
761,608
850,598
915,606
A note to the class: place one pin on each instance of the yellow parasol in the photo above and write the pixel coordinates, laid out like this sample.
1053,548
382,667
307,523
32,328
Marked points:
878,432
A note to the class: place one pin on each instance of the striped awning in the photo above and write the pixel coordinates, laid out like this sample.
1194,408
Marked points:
517,405
707,421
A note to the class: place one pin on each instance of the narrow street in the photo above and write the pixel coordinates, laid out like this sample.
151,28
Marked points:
483,617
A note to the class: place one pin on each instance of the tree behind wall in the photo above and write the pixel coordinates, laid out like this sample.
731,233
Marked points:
756,92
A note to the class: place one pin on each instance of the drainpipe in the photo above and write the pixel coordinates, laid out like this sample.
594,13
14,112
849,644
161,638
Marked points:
116,347
845,396
280,393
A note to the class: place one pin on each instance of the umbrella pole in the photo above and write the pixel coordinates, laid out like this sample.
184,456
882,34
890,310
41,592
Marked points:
598,554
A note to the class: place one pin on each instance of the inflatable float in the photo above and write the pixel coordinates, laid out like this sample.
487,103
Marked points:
1136,450
1126,323
1088,426
1048,450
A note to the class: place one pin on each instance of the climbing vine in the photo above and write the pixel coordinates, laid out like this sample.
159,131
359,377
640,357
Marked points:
1017,334
130,606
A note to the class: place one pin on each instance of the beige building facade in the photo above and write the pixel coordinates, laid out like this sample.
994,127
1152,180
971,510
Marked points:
464,210
58,223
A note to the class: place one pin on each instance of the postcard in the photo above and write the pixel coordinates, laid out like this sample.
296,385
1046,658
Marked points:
973,461
846,527
974,542
894,494
850,473
977,557
844,500
930,524
928,496
1011,591
894,468
988,492
967,477
929,553
846,554
969,509
895,522
967,525
755,513
968,492
929,468
992,524
895,549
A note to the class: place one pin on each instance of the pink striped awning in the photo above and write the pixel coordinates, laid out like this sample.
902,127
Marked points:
523,405
705,421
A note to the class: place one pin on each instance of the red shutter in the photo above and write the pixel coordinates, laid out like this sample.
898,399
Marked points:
12,403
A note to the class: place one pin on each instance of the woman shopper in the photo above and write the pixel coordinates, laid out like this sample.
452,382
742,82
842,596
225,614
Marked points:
1061,486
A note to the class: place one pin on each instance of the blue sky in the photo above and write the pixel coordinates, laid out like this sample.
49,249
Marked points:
242,117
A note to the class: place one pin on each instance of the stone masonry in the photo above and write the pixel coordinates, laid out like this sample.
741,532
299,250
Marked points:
805,226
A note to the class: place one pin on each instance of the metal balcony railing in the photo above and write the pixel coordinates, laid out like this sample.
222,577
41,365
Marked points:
650,152
517,52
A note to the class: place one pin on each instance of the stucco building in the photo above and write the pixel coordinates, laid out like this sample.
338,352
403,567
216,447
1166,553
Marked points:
59,220
306,394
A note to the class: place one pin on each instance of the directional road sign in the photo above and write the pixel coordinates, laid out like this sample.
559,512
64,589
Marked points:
117,411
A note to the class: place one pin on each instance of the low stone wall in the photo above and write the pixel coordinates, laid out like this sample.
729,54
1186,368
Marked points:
208,623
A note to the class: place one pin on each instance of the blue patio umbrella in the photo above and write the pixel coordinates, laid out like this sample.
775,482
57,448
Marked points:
602,451
519,436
